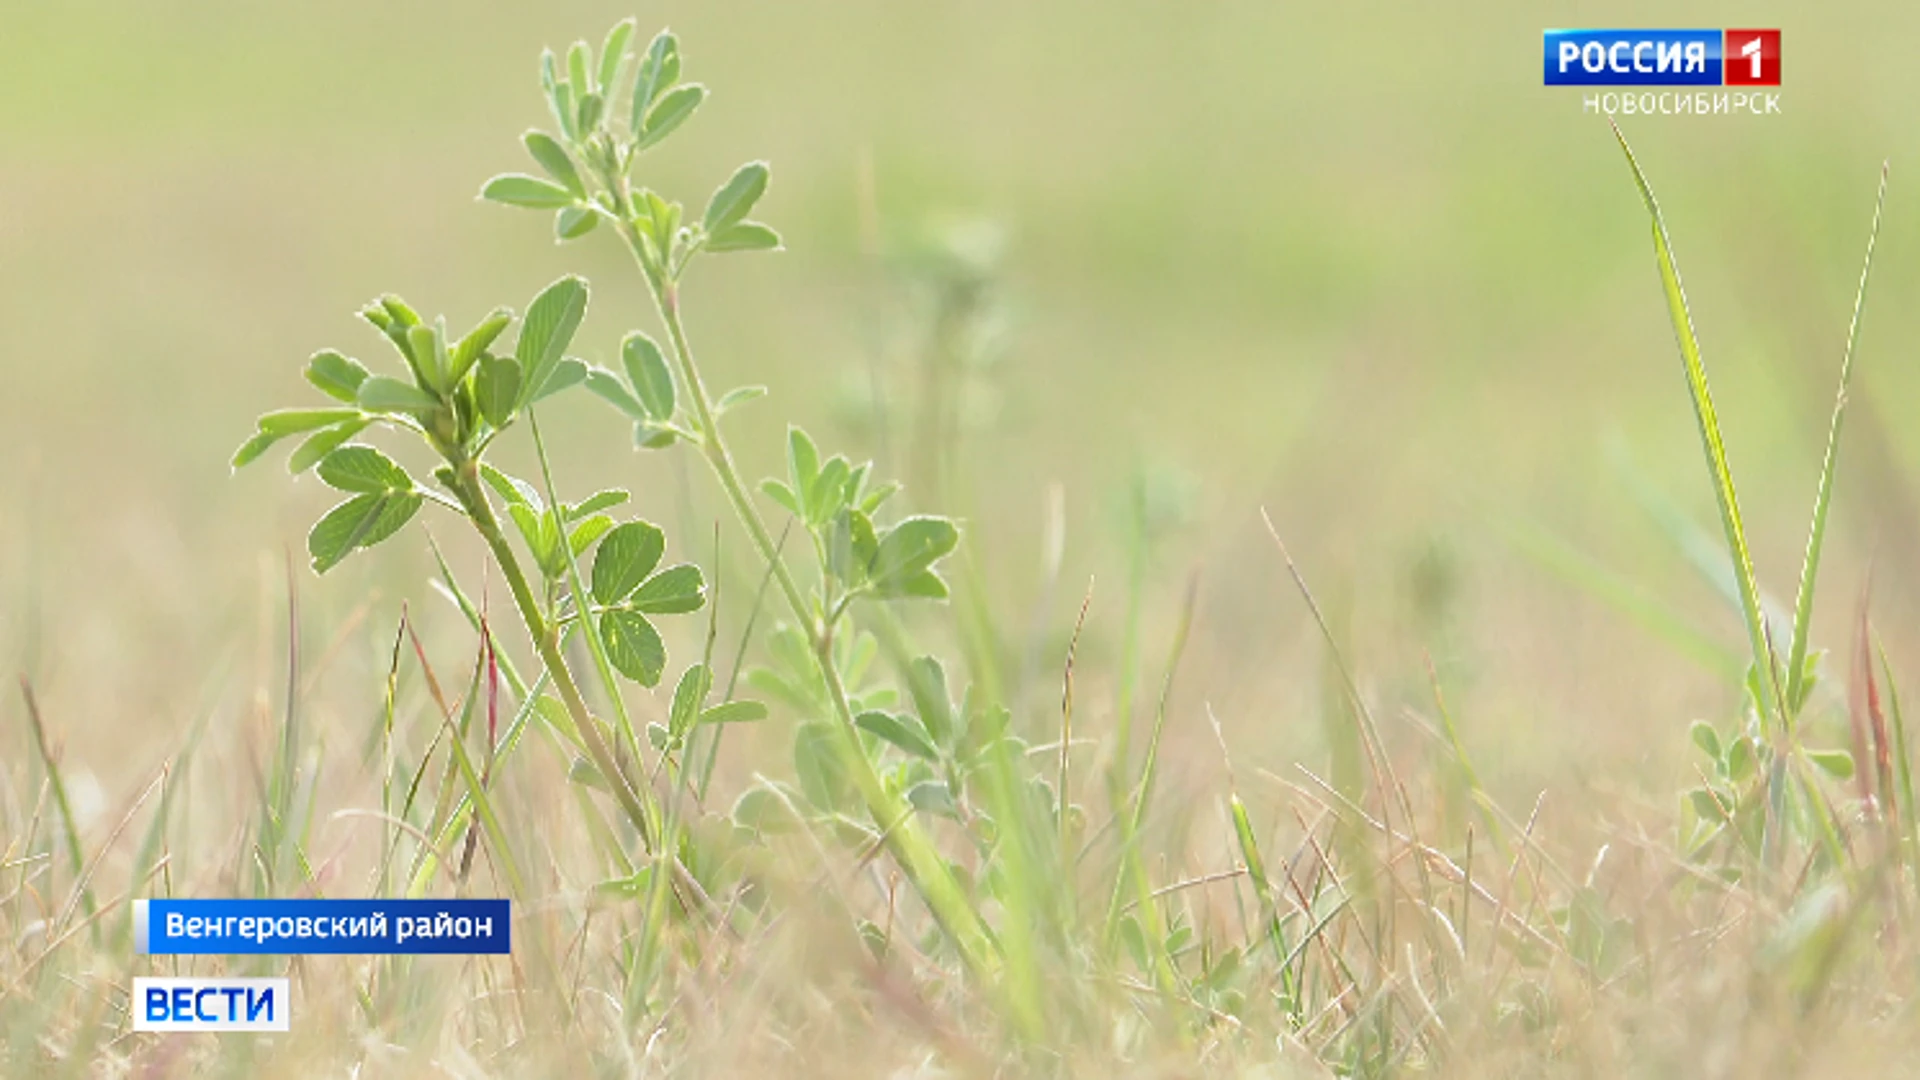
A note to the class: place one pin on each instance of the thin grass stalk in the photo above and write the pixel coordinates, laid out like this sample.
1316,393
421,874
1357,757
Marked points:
1714,446
1823,497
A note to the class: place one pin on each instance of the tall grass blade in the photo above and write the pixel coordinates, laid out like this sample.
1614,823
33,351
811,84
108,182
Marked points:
1712,443
1817,531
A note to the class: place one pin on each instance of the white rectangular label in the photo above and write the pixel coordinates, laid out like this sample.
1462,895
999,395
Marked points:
209,1004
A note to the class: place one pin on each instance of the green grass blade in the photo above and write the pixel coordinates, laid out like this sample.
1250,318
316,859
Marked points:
1711,441
1816,533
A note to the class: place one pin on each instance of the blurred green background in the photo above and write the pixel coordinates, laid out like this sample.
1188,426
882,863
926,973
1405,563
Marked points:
1352,263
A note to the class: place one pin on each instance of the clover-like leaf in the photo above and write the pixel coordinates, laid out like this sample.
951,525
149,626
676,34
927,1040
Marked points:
733,712
547,330
734,199
746,236
691,692
598,501
624,559
902,565
336,376
651,377
470,348
515,491
667,114
904,732
613,50
659,70
361,521
362,469
571,371
673,591
612,389
554,159
633,645
496,388
321,443
526,192
574,222
383,393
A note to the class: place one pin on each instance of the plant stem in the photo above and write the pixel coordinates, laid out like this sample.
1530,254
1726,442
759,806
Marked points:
546,642
915,852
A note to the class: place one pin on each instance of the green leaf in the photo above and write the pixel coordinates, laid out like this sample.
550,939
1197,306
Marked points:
1741,763
658,71
1705,806
515,491
927,682
827,496
589,529
614,50
251,450
1835,763
561,98
474,345
651,377
688,696
673,591
609,388
570,372
363,469
496,388
734,712
762,810
428,348
383,393
361,521
933,797
398,310
1707,739
902,731
633,646
908,550
598,501
526,192
625,558
547,330
574,222
925,585
782,494
591,108
734,199
746,236
555,160
579,59
533,530
322,442
667,114
737,397
803,465
336,376
286,422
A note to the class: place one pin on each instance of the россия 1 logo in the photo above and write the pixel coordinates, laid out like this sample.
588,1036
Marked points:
1662,57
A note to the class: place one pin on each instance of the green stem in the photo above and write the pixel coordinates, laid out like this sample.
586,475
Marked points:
929,872
546,641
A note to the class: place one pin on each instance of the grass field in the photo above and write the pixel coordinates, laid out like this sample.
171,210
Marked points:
1455,763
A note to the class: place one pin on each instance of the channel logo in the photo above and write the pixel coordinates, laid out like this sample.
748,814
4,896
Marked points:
194,1004
1662,57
